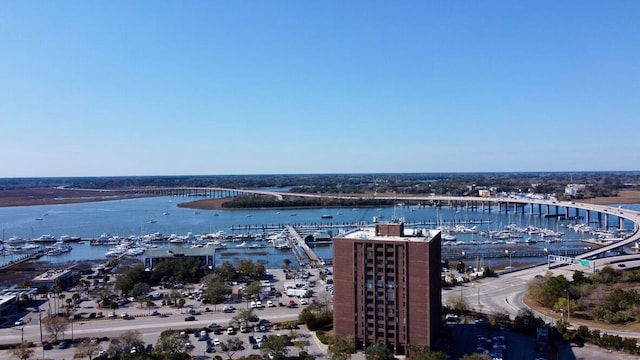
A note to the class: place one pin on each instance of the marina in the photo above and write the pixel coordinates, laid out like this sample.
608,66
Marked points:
125,228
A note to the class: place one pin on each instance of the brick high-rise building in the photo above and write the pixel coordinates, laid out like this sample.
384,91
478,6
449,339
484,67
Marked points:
387,286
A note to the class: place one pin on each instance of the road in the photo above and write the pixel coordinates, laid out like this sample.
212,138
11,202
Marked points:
506,292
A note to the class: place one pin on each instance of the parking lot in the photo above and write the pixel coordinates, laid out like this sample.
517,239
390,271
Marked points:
274,315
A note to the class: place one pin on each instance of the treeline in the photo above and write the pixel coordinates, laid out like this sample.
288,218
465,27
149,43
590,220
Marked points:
184,270
253,202
459,184
608,296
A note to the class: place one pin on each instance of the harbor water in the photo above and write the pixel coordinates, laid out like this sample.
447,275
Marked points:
136,217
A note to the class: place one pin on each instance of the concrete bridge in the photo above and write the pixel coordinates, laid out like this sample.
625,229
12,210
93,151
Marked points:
600,214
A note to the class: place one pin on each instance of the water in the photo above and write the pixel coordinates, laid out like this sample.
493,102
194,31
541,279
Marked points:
161,214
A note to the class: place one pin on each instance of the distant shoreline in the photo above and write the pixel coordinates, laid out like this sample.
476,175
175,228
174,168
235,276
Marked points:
50,196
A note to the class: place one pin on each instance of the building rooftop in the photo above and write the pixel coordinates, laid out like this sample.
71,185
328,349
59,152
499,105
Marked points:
51,275
162,253
392,232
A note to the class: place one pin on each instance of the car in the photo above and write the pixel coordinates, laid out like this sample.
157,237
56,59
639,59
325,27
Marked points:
210,349
214,326
47,346
228,308
303,302
112,315
190,318
622,265
19,322
63,345
270,303
216,342
231,331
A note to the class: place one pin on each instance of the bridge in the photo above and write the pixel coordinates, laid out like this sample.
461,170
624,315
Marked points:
545,207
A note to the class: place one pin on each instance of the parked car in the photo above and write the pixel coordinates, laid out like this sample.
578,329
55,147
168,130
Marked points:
190,318
63,345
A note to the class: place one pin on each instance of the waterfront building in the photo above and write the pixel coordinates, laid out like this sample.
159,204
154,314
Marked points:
387,286
153,256
46,280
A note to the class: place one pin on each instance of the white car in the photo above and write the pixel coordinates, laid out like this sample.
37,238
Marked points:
270,303
216,342
303,301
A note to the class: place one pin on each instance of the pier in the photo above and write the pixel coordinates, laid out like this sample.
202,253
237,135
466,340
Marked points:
315,260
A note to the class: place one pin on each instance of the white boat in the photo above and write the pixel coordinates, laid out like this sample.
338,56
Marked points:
242,244
448,237
15,240
26,248
46,238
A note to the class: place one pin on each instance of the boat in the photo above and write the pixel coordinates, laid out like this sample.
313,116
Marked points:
15,240
45,239
152,221
326,216
242,244
281,244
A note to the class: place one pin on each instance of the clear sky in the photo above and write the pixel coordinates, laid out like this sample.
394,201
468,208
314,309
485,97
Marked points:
101,88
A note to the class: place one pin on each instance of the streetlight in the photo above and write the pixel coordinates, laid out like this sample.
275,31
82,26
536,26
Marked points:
546,252
568,315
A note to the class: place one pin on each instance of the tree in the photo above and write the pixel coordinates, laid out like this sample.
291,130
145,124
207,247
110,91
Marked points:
378,351
55,325
226,271
22,351
130,339
252,290
286,262
341,347
232,345
244,316
88,349
170,345
217,291
475,357
459,304
276,346
424,353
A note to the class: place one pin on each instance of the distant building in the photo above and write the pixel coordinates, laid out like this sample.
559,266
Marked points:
387,286
484,193
151,257
46,280
574,190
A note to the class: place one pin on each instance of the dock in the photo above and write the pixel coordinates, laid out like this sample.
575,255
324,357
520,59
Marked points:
313,258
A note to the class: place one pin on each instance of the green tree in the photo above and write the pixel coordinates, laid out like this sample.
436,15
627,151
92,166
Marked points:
226,271
341,347
475,357
378,351
286,262
252,290
170,345
244,316
424,353
217,291
276,346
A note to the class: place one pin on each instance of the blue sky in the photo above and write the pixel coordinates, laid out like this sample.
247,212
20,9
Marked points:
106,88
